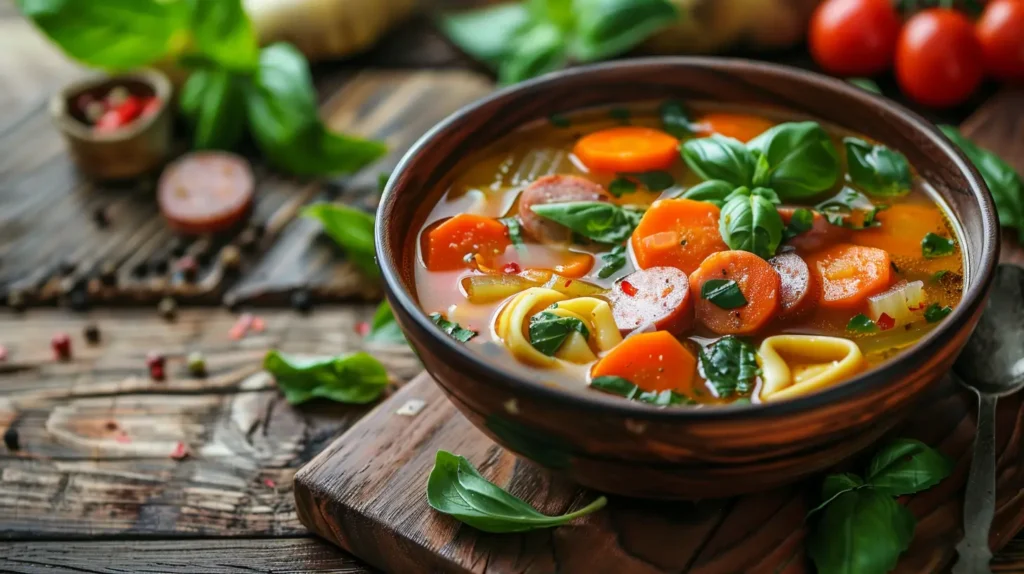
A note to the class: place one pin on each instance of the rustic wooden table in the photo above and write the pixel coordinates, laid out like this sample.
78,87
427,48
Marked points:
93,487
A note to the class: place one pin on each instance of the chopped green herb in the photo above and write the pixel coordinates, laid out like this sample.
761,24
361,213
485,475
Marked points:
599,221
934,246
840,209
675,119
730,366
621,186
624,388
382,181
620,114
938,275
515,230
801,222
613,261
934,313
559,121
454,330
724,293
860,323
549,331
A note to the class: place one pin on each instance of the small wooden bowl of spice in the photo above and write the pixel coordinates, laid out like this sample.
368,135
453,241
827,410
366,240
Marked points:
116,127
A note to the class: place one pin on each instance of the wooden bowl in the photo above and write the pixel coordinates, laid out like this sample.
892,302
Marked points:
633,449
133,150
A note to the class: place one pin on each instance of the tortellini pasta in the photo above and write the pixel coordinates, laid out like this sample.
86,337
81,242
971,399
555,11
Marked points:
795,365
513,326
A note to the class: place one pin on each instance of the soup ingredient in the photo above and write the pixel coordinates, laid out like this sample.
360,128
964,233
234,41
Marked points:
854,37
861,323
575,265
653,361
730,366
548,331
859,522
652,180
820,234
555,189
797,160
613,261
515,231
658,296
1000,31
877,169
1002,180
596,315
935,312
598,221
757,281
799,290
623,388
934,246
901,303
456,488
675,119
678,233
453,244
902,227
206,192
725,293
713,191
351,229
720,158
849,274
736,126
797,365
799,221
482,289
939,60
850,209
750,222
355,378
452,329
627,149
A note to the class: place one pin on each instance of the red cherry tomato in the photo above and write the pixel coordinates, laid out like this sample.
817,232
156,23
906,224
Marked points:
854,37
938,58
1001,33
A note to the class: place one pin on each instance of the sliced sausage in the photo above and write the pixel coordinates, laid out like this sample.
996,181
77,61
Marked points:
799,287
206,192
555,189
658,296
822,234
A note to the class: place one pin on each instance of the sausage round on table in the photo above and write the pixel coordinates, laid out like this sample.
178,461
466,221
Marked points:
206,192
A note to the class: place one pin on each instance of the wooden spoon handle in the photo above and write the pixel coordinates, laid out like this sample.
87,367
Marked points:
980,497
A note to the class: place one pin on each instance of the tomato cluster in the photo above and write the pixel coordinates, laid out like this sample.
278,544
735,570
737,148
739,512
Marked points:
939,54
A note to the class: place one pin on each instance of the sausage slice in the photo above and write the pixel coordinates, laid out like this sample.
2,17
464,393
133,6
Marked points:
555,189
822,234
799,288
658,296
206,192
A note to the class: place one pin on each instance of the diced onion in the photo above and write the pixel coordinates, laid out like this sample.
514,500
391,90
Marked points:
903,302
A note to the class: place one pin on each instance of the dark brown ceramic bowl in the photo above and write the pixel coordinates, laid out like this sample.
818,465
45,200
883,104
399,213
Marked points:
634,449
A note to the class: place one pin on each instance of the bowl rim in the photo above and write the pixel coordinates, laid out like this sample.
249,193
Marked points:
881,375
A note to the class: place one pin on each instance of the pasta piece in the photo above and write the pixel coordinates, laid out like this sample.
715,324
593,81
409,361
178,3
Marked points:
597,315
795,365
514,322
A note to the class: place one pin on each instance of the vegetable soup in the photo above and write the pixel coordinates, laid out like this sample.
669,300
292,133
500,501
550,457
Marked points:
687,255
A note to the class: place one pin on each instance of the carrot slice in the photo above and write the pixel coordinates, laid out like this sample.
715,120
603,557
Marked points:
756,279
652,361
849,274
627,149
902,227
736,126
451,244
677,233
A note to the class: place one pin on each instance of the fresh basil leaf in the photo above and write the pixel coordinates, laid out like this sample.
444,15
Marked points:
540,48
351,229
846,207
866,84
515,230
1001,179
112,34
213,101
613,261
456,488
799,160
801,222
860,323
934,246
654,180
222,31
675,119
935,313
598,221
722,158
486,34
454,330
549,331
860,531
750,222
621,186
938,275
624,388
835,485
713,191
606,28
877,169
906,466
615,385
730,366
384,328
724,293
357,378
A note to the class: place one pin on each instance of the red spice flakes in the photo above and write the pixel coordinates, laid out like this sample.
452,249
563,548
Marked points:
567,283
3,353
886,322
512,268
61,344
362,328
628,288
180,451
269,483
123,438
241,326
258,325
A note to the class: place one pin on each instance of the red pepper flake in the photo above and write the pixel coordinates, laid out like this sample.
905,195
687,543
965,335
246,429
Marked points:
628,288
567,283
123,438
258,325
886,322
180,451
241,326
61,344
917,308
269,483
157,373
130,109
512,268
3,353
362,328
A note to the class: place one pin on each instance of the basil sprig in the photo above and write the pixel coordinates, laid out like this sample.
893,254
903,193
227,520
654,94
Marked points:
720,158
844,209
452,329
714,191
213,101
730,366
456,488
598,221
934,246
1001,179
675,119
859,522
876,169
750,222
357,378
625,388
796,159
549,331
613,261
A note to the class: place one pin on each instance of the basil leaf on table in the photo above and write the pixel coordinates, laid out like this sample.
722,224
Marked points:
351,229
721,158
934,246
724,293
456,488
935,312
452,329
613,261
549,331
877,169
675,119
213,101
598,221
796,159
801,222
486,33
625,388
833,486
906,466
730,366
714,191
750,222
860,530
383,327
112,34
357,378
222,31
538,49
606,28
1002,180
861,323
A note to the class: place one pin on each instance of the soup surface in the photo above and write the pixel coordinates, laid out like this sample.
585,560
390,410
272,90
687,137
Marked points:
687,255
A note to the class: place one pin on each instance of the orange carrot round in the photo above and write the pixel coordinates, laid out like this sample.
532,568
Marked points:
627,149
902,227
736,126
450,244
652,361
849,274
677,233
757,281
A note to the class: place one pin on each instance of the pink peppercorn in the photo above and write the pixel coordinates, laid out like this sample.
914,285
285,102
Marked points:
61,344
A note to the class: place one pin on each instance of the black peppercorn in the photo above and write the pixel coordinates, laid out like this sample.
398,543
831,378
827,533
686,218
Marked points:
231,302
167,308
16,300
247,239
188,268
140,270
92,333
11,439
158,266
100,217
178,247
108,273
258,230
66,267
78,300
301,301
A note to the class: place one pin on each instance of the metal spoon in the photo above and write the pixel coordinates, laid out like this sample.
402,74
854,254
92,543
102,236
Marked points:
992,365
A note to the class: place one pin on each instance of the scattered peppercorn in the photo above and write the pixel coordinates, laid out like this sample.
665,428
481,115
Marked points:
180,451
204,253
66,267
100,217
92,333
156,364
61,344
157,373
108,273
11,439
197,364
258,229
167,308
301,301
140,270
16,300
188,268
178,247
231,258
78,300
247,239
158,266
117,96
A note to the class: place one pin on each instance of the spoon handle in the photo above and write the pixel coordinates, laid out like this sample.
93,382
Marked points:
980,497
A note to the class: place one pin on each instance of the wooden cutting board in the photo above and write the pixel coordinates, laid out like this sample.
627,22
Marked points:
366,492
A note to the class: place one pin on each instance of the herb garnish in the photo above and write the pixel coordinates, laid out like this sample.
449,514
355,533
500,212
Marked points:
877,169
652,180
351,229
866,84
842,208
801,222
721,158
625,388
454,330
934,246
730,366
796,159
935,313
559,121
675,119
860,323
596,220
938,275
750,222
713,191
1002,180
515,230
549,331
621,186
620,114
613,261
456,488
357,378
724,293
